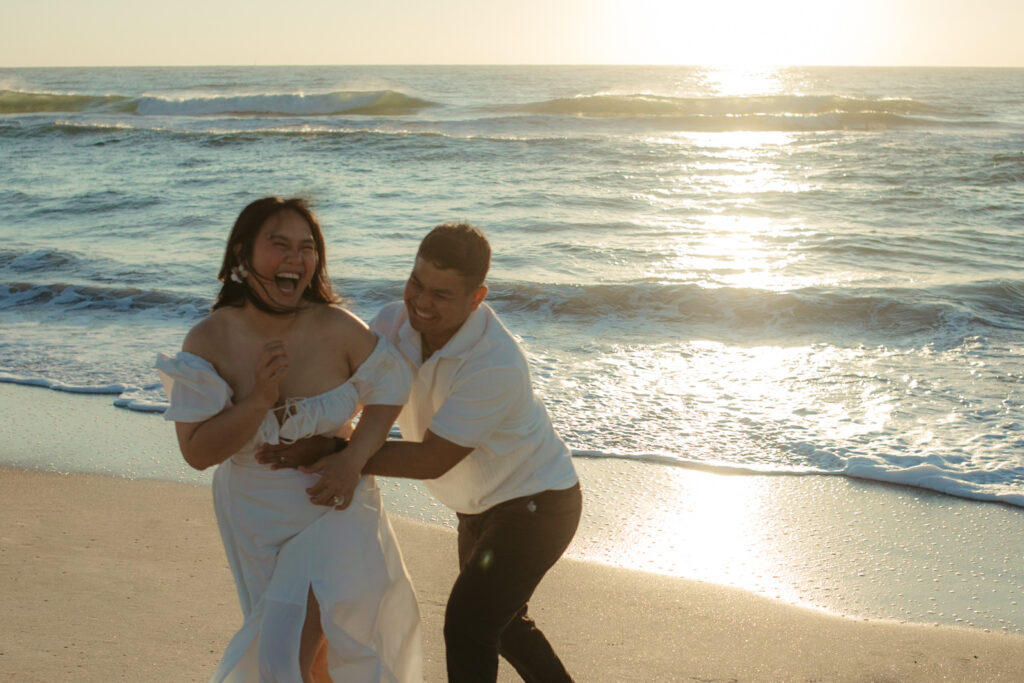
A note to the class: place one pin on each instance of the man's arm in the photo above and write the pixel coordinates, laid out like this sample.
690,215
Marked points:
428,459
477,405
301,453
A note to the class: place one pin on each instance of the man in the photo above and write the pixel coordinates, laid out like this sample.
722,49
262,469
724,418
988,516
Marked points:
474,430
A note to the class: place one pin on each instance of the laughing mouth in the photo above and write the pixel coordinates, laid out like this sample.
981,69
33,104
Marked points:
287,282
421,315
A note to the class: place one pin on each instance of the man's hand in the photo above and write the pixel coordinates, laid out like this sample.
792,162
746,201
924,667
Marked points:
302,453
339,476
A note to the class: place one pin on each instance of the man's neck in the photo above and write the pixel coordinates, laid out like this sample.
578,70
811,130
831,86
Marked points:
429,346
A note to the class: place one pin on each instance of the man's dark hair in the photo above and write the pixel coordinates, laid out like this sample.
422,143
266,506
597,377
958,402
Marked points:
458,246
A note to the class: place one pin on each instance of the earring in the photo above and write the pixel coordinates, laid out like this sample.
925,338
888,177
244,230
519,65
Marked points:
239,273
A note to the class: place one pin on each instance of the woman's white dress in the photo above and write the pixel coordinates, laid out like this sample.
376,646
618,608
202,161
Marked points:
279,544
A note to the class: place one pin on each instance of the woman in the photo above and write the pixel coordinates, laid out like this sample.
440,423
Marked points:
275,362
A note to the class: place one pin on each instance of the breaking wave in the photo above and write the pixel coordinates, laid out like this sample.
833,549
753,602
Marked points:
728,311
960,310
789,105
373,103
17,102
376,103
75,297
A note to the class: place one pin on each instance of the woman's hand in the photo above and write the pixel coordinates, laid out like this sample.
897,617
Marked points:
271,370
339,476
340,472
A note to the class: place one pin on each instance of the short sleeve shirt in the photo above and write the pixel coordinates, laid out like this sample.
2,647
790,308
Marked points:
476,392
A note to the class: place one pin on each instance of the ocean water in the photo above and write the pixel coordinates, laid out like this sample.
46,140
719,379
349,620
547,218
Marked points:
808,271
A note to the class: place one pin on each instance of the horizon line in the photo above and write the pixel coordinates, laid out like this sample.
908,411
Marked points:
713,65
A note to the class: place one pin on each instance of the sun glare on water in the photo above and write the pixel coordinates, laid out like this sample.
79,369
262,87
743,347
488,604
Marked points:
740,81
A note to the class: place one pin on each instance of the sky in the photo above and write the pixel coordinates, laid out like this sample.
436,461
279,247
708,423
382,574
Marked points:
748,33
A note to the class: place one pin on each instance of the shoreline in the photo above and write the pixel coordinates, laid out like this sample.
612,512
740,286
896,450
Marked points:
143,406
862,550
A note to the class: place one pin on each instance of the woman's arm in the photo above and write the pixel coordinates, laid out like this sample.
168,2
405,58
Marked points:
212,441
340,471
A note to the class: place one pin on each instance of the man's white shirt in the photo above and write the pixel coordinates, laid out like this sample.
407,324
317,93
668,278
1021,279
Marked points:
476,392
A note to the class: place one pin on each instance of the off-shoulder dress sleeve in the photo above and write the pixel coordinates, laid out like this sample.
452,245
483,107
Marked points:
384,378
193,387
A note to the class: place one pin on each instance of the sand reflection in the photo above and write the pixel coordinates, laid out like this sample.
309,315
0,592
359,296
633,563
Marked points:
847,547
685,523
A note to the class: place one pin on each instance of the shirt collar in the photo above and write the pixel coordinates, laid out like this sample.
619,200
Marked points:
409,341
468,335
411,344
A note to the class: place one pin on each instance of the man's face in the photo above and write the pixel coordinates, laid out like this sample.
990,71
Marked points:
439,301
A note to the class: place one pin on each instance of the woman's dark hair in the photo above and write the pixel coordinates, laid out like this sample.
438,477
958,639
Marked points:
239,252
461,247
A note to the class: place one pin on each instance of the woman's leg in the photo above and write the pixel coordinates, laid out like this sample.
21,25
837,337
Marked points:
320,673
312,650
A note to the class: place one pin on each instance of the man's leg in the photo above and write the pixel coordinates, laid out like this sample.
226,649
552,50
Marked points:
527,649
504,552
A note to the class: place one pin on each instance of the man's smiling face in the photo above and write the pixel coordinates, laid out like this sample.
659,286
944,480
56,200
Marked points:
439,301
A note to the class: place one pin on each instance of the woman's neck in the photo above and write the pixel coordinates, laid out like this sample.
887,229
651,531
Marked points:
270,325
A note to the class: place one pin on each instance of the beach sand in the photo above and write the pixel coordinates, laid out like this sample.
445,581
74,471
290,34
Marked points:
106,578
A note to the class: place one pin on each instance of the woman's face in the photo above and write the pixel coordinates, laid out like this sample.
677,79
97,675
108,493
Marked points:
284,259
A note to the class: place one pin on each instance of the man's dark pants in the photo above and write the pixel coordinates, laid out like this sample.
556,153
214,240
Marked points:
503,554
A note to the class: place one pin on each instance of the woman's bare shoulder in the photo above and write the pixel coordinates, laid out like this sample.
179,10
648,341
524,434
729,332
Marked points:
209,335
348,331
343,321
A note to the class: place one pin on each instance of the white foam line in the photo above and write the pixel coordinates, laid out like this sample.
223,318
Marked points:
60,386
910,479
